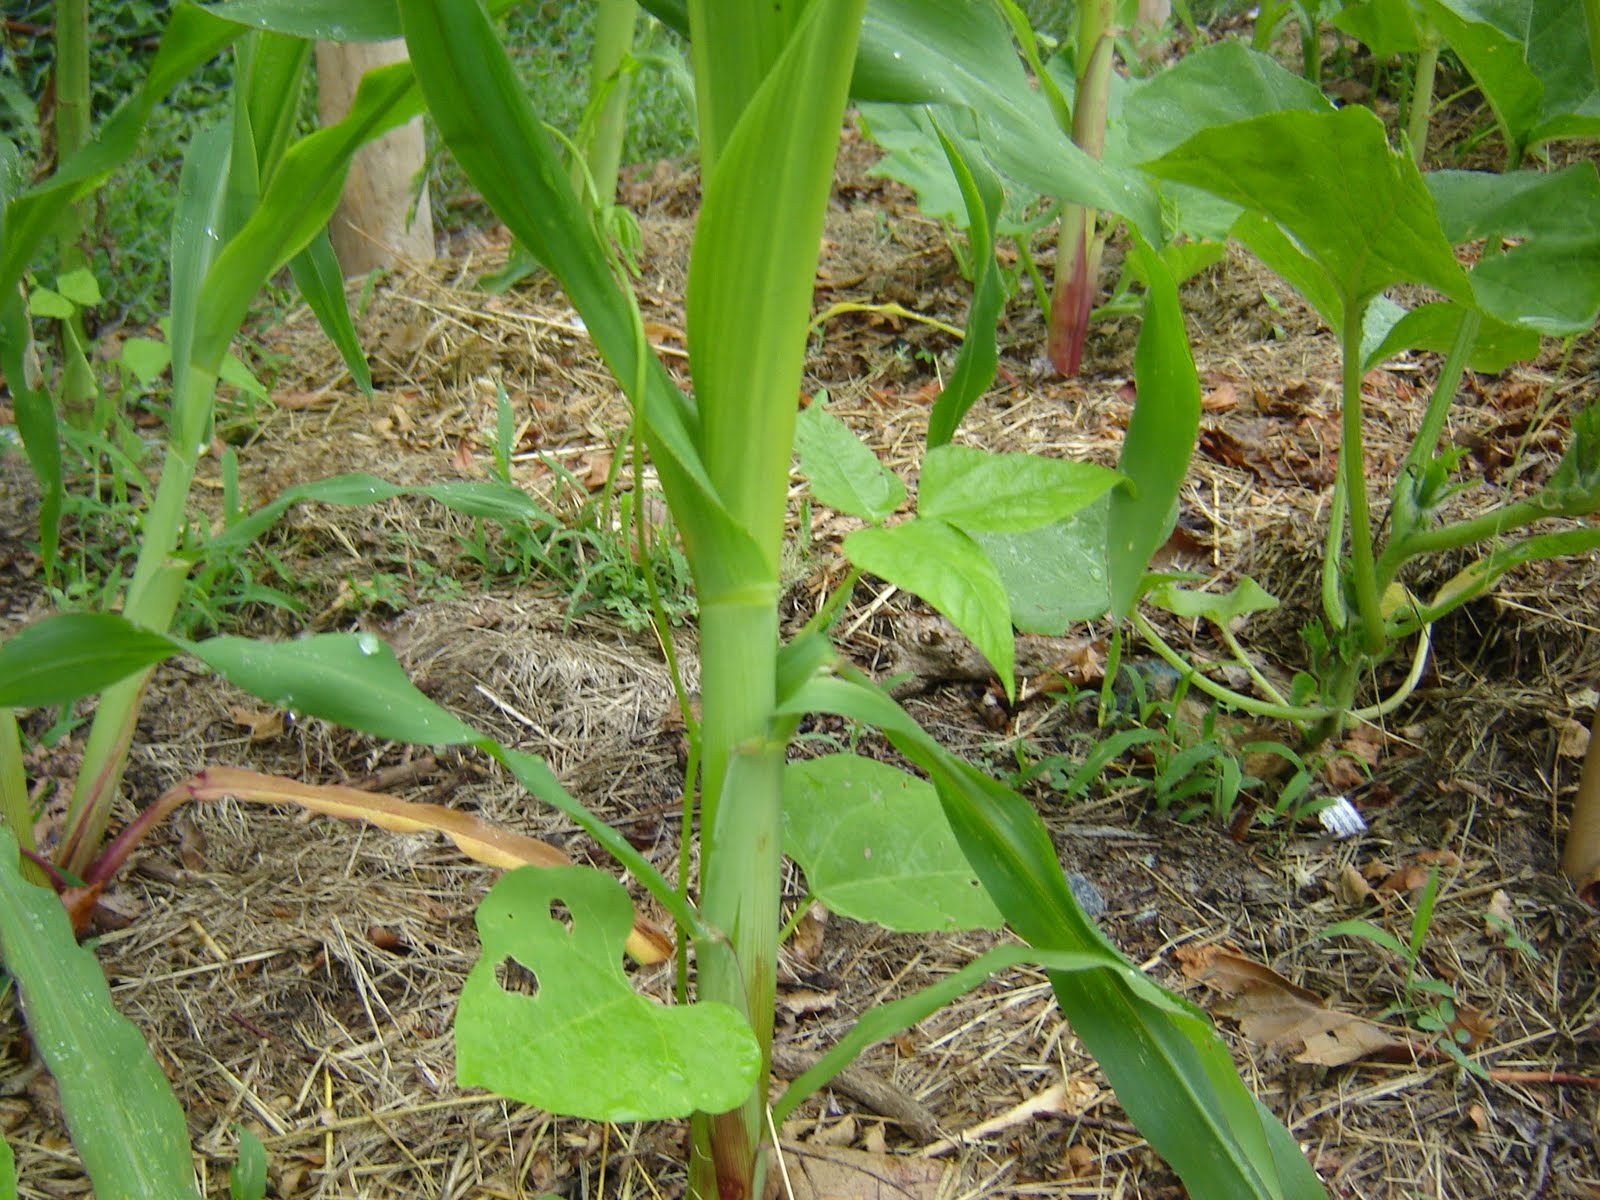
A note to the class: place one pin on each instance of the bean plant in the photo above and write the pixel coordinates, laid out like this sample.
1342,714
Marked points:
771,84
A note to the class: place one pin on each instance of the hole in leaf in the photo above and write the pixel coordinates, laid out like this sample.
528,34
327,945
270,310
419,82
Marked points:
513,977
561,915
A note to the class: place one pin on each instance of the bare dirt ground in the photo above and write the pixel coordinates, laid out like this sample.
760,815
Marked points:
300,976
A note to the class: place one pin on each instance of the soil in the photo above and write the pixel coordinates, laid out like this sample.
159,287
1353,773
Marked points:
299,975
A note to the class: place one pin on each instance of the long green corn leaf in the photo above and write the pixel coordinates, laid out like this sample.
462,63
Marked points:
752,270
975,364
1161,435
484,117
1172,1074
321,283
125,1121
295,207
192,37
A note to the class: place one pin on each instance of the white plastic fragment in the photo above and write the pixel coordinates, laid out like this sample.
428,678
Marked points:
1342,819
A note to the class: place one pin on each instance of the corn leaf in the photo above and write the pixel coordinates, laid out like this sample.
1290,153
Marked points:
1161,436
484,116
753,264
1172,1074
983,198
295,207
8,1172
192,38
321,283
125,1122
63,658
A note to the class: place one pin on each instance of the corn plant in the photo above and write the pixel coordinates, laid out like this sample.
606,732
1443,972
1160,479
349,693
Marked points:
772,82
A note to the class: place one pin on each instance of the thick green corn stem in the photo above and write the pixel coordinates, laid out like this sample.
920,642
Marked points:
72,119
16,809
152,601
614,22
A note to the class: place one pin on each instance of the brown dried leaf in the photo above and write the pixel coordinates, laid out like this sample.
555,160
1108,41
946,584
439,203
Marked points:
1572,738
1282,1015
263,725
1353,886
801,1001
1072,1098
812,1172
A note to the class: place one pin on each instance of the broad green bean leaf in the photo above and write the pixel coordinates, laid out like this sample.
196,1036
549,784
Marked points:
1224,608
842,470
191,38
1550,279
321,283
1562,58
1267,241
125,1122
8,1172
981,199
79,286
947,569
48,304
1054,576
959,53
584,1043
352,680
147,358
1214,86
488,498
1161,437
1487,40
1173,1076
981,490
1386,27
65,657
875,846
242,377
1305,170
247,1178
1433,326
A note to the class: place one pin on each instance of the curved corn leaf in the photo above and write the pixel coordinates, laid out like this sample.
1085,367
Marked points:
125,1122
192,38
983,198
295,207
484,116
1161,436
1172,1074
